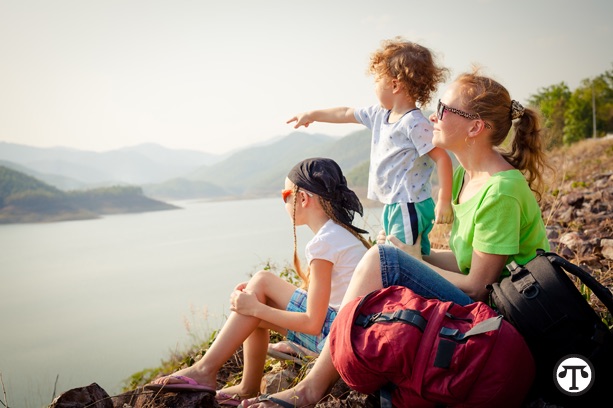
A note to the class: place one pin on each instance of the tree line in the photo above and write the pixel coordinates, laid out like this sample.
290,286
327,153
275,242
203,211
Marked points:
583,113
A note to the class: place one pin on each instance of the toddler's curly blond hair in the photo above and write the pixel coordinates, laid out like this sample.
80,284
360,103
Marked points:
413,65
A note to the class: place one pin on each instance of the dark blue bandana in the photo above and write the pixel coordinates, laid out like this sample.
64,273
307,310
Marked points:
324,177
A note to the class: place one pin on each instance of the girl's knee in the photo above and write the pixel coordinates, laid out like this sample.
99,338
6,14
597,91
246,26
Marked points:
261,278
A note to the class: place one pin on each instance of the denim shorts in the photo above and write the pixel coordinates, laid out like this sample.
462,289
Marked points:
298,303
400,268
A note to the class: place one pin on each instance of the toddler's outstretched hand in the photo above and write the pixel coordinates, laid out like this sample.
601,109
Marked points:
302,119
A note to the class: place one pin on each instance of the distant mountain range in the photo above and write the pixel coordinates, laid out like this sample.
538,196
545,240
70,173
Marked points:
254,171
70,168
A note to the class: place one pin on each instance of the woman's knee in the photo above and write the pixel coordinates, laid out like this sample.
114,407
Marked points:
370,262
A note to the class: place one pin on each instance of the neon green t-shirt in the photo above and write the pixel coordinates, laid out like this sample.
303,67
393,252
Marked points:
503,218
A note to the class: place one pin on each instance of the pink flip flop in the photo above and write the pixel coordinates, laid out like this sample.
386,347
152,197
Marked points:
188,385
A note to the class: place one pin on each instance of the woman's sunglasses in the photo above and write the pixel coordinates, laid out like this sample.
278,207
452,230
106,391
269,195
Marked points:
441,108
288,192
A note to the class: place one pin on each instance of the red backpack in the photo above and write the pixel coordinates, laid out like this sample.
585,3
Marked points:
426,352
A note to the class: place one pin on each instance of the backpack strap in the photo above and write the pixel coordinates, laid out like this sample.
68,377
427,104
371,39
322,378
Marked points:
601,291
385,395
522,280
451,337
491,324
407,316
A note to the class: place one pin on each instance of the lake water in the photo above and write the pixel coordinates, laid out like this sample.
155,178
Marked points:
98,300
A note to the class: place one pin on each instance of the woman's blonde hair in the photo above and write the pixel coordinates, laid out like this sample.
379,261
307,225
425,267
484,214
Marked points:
491,100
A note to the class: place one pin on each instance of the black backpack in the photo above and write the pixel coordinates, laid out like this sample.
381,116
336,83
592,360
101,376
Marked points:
546,307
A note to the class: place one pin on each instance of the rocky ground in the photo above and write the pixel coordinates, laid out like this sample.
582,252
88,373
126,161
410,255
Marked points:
578,211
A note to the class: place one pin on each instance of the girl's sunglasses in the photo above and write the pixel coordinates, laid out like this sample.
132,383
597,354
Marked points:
288,192
441,108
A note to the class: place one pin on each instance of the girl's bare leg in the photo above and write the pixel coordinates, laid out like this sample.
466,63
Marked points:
323,375
204,371
254,357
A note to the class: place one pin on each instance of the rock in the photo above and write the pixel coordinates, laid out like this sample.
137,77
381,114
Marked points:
91,396
552,233
607,248
573,241
152,399
567,215
279,380
573,199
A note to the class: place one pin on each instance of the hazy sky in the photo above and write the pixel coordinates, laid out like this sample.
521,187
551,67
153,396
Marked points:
219,75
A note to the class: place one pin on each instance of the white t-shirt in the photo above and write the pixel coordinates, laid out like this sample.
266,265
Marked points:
400,167
335,244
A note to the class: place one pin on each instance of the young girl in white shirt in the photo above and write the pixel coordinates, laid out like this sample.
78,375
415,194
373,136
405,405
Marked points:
316,195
